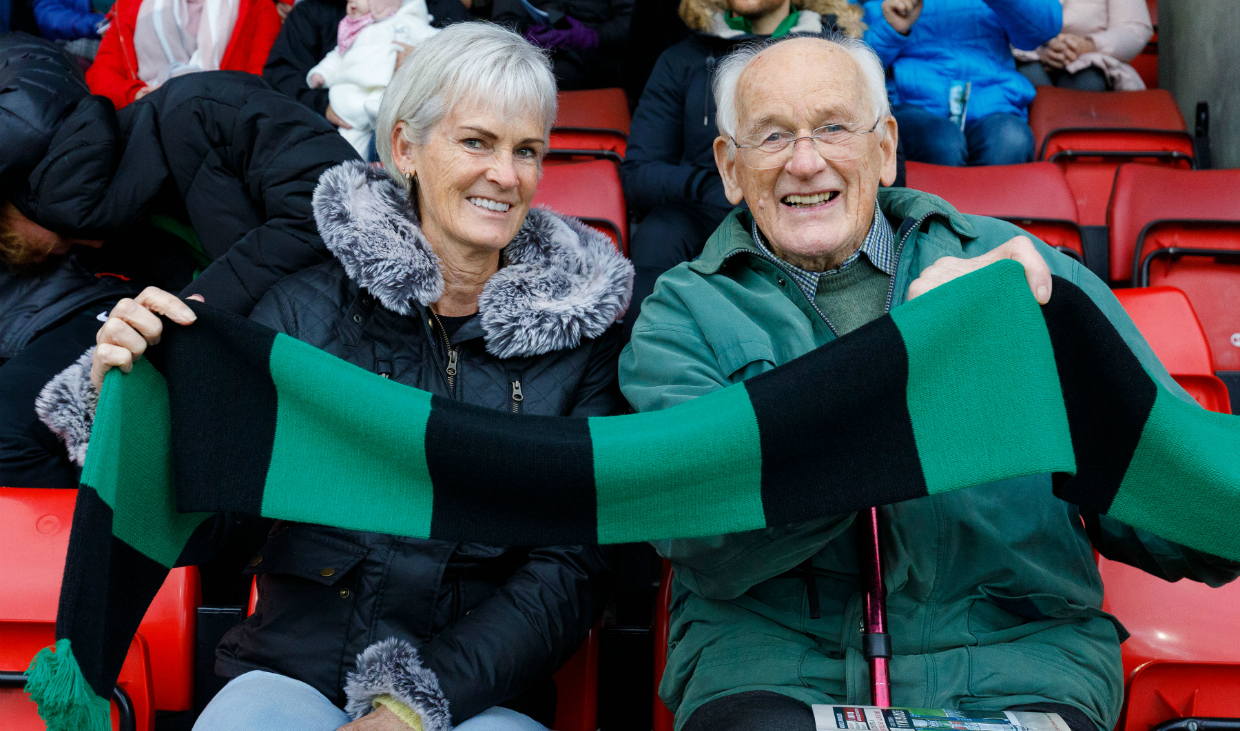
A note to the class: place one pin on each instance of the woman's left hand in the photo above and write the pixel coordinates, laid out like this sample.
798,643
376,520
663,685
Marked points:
1080,45
576,37
380,719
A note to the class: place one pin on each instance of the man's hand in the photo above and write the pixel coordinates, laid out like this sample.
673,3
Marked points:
132,325
380,719
902,14
335,119
1020,249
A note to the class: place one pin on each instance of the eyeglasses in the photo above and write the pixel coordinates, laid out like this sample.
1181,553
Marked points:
836,141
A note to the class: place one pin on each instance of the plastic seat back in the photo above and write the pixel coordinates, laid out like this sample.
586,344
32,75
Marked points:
34,536
591,123
1182,229
1034,196
577,688
1164,691
590,191
1089,134
663,718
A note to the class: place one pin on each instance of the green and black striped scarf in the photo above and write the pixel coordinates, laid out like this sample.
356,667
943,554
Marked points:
969,384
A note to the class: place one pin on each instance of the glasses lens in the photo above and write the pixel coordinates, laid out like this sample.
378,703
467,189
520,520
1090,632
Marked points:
842,148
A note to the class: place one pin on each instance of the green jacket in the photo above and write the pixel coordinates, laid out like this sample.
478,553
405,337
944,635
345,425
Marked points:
993,593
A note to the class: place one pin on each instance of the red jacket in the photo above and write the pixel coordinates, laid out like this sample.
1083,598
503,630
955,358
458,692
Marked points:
114,73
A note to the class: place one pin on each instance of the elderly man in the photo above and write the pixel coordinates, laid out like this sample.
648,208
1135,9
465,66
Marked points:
993,594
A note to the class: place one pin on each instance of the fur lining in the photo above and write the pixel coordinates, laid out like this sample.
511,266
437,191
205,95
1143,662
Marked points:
561,280
67,406
391,667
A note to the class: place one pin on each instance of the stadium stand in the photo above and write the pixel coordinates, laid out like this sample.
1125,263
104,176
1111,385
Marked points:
1034,196
591,123
1090,134
1181,228
1180,661
590,191
34,537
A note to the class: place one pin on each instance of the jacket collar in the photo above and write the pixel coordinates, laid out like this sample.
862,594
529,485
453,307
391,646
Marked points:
559,280
898,204
807,22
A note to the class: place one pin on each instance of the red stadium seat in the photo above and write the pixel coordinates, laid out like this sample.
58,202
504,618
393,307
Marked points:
1182,228
34,538
1034,196
592,123
663,718
1146,62
1089,134
1183,658
590,191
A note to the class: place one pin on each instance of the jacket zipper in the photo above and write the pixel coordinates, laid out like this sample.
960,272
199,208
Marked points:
452,356
891,286
517,397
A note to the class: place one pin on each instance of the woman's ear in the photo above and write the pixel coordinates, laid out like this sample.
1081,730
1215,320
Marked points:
404,153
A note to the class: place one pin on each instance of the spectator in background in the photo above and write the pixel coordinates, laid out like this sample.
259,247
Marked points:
151,41
669,171
586,37
953,83
309,34
1092,52
74,24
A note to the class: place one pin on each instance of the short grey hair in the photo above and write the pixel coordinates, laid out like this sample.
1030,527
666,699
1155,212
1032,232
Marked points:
466,61
728,77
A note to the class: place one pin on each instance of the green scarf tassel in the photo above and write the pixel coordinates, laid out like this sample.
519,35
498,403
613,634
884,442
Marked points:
66,702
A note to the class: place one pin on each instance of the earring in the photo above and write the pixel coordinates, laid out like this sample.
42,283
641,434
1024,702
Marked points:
408,176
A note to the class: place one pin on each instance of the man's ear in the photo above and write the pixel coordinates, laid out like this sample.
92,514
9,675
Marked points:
888,146
727,170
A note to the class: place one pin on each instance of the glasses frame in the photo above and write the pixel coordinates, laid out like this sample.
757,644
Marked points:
793,142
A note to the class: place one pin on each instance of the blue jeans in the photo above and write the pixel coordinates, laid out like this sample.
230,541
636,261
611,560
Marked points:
263,701
996,139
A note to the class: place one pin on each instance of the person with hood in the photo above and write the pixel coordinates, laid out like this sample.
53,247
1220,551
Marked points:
150,41
215,173
952,81
444,279
586,38
669,172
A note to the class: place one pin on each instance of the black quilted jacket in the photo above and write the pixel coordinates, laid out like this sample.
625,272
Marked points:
492,622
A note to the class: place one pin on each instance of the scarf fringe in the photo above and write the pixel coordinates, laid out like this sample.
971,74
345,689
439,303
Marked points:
66,701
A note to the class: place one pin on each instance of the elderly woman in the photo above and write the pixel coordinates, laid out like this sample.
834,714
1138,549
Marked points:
443,279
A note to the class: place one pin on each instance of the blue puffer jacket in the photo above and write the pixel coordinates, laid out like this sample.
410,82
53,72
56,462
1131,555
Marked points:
66,20
965,41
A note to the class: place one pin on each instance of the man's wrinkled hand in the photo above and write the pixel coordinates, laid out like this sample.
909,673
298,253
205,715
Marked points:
134,324
902,14
1019,249
380,719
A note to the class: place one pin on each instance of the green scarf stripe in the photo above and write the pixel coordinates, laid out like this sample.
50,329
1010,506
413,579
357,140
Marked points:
975,390
325,437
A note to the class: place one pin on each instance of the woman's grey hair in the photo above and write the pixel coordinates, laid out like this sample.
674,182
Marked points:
728,77
475,61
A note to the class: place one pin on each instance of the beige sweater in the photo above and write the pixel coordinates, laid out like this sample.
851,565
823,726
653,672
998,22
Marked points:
1119,28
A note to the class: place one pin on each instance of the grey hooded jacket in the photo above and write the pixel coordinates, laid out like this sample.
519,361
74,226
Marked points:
449,628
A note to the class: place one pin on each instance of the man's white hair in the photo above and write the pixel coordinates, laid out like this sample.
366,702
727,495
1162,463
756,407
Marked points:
476,61
728,77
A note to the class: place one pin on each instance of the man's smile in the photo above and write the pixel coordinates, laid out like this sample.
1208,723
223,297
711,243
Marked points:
810,200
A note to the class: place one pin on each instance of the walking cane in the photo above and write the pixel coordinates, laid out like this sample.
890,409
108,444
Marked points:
875,642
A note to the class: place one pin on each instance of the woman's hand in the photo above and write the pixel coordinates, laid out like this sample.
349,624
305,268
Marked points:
1080,45
380,719
335,118
144,91
1020,249
132,325
317,81
1065,48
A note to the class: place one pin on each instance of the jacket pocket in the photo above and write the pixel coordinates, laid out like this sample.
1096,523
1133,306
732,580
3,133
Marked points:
997,617
300,551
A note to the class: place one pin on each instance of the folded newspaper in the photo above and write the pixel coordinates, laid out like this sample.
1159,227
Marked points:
873,718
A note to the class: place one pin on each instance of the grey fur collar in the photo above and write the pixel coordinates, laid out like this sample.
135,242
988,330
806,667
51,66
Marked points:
67,406
561,281
807,22
391,667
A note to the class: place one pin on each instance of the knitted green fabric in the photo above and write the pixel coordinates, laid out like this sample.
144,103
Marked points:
968,384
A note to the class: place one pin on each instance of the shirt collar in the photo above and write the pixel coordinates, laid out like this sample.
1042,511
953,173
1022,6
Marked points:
878,247
737,22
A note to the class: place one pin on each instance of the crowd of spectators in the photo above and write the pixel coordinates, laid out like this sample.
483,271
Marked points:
129,173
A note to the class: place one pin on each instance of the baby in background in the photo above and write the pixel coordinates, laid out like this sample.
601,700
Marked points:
361,65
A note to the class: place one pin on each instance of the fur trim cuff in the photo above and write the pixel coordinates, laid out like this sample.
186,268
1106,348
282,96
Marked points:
67,406
391,667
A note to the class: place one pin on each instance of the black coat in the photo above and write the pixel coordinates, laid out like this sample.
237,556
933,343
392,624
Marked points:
596,68
492,623
309,34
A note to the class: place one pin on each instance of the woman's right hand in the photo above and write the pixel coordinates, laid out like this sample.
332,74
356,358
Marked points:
132,325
